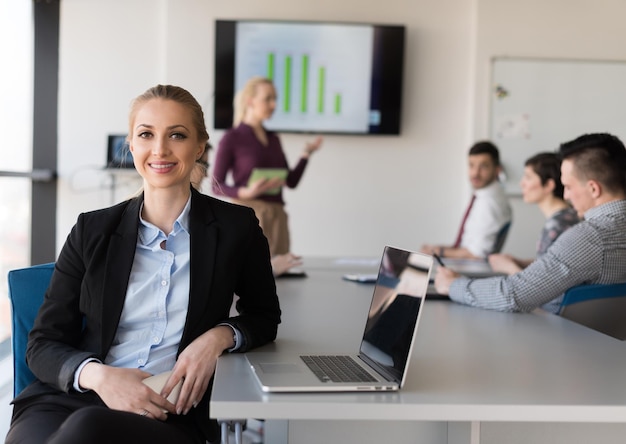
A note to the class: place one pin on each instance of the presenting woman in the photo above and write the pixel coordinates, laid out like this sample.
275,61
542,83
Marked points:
143,288
249,146
541,185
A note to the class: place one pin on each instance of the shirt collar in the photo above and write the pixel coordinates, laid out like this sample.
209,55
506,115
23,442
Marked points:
149,233
489,188
615,206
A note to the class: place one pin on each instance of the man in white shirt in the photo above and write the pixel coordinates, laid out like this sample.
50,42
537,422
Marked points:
488,213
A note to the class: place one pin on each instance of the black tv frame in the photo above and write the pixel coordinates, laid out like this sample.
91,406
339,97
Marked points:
387,75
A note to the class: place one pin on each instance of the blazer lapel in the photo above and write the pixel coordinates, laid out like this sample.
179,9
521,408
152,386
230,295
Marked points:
119,261
203,245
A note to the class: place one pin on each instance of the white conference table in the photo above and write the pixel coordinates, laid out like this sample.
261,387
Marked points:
476,376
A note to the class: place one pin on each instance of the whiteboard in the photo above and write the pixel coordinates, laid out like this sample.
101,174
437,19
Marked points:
537,104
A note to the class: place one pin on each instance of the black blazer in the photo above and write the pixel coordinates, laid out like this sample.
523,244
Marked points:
83,304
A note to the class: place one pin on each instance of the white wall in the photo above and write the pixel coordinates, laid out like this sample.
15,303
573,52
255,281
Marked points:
582,29
359,193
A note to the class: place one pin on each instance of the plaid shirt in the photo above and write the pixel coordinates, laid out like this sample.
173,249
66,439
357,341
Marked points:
591,252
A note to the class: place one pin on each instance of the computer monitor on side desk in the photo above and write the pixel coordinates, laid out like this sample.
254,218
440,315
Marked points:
118,154
120,166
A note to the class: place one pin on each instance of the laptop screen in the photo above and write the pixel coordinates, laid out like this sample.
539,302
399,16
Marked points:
396,305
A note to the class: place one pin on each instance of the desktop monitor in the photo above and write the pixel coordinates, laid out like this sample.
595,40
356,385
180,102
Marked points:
118,153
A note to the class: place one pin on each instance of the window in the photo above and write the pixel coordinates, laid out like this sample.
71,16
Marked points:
16,110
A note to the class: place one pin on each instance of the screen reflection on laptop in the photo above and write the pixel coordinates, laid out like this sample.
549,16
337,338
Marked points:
394,309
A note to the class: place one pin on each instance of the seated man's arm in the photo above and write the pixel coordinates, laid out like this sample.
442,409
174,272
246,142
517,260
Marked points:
575,258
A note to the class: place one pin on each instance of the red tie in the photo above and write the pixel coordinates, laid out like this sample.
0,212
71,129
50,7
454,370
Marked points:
457,242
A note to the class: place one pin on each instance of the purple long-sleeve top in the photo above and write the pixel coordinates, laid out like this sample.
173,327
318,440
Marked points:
240,152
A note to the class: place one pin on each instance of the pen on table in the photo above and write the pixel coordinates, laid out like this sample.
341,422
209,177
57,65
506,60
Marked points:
436,256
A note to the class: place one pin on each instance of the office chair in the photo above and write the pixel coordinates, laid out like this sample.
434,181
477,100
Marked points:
27,287
601,307
501,237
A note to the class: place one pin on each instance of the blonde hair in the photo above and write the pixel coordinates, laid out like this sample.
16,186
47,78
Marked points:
244,95
176,94
201,168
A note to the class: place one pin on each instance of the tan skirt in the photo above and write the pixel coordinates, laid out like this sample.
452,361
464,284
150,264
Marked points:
274,222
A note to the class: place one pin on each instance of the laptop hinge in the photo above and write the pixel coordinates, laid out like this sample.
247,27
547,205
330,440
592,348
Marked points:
381,370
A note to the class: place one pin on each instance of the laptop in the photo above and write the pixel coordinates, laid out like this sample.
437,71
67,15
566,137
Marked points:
382,360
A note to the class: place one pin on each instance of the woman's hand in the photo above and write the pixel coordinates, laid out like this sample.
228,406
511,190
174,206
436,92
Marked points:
311,147
259,187
432,248
504,263
123,389
284,262
196,365
444,278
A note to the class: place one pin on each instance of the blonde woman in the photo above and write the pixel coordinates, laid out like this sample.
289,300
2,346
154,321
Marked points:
248,145
145,287
281,263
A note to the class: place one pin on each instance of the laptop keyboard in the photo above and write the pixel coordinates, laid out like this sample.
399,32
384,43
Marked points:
337,369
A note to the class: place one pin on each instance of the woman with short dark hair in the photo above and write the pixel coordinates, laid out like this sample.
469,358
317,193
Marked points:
541,185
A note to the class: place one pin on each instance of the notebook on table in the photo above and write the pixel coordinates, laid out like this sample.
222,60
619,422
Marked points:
381,362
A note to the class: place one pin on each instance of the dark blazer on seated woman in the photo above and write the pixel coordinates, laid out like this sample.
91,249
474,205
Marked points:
82,307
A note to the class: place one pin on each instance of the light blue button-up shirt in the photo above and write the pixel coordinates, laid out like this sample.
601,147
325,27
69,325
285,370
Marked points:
157,299
155,308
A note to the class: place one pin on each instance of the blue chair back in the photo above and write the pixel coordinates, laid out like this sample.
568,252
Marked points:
501,237
27,287
601,307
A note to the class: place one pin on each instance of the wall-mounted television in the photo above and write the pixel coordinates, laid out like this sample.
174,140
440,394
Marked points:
333,78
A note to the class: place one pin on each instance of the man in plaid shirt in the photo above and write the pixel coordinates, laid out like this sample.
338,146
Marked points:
593,172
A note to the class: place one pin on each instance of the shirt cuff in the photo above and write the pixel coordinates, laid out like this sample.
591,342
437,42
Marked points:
458,290
237,336
77,387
